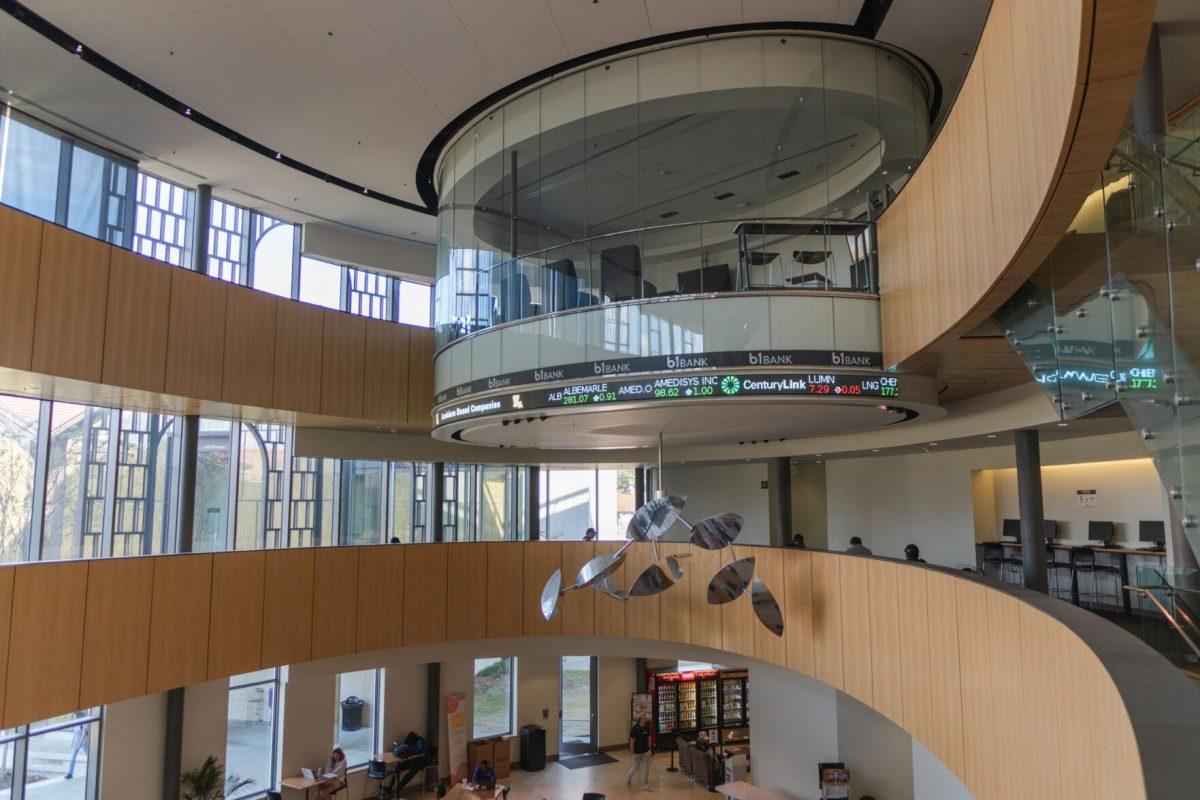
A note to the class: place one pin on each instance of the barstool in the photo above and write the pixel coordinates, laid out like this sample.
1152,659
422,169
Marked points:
1052,571
1083,559
993,553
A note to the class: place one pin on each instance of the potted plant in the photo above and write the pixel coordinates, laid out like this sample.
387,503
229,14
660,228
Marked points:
209,782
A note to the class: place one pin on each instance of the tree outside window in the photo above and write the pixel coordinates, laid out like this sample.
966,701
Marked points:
494,696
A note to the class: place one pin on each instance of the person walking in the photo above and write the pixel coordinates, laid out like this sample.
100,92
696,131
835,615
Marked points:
79,739
639,746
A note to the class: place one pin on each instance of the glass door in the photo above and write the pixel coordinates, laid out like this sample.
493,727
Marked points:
577,705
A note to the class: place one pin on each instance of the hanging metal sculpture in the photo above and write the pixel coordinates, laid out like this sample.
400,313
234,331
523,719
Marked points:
649,524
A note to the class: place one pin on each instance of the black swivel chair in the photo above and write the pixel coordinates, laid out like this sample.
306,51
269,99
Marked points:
377,771
592,796
713,278
993,553
1083,560
621,274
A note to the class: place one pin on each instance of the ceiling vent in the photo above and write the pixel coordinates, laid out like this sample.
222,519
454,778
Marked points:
668,215
789,174
724,195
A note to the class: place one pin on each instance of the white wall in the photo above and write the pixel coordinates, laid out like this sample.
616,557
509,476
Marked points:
877,752
928,498
1126,492
810,504
933,780
793,728
133,746
716,488
205,716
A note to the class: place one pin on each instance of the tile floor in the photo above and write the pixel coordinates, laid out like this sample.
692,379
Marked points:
556,782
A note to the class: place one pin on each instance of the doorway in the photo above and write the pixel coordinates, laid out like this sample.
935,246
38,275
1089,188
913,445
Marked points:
577,682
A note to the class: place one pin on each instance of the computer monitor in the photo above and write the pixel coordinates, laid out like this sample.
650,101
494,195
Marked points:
1152,531
1101,531
1050,529
1011,529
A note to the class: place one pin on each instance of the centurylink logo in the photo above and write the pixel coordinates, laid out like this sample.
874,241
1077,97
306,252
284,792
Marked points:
730,384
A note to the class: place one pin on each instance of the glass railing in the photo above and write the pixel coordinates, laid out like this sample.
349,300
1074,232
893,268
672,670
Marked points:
1168,606
478,291
1109,317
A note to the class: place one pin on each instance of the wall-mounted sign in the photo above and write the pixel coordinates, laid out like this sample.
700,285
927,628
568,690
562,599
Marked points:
615,367
1086,498
676,388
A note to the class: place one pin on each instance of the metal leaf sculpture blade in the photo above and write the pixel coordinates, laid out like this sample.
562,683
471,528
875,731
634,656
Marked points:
599,568
611,588
674,568
653,519
652,581
550,594
717,533
731,581
766,608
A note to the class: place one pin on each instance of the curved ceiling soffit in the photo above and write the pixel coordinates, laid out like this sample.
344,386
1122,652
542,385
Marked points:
865,27
1112,36
863,30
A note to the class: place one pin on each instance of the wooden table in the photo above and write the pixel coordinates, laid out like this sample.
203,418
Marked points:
1122,554
299,783
740,790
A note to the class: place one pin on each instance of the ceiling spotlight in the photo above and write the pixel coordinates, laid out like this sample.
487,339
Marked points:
187,112
1062,424
933,444
874,451
78,49
278,156
991,436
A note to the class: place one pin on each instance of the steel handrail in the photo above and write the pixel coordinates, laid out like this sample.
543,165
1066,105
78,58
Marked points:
1166,615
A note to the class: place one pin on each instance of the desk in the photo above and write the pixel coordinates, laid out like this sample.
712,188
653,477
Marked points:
1122,554
300,783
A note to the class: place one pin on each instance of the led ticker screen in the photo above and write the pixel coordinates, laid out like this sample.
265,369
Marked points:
682,387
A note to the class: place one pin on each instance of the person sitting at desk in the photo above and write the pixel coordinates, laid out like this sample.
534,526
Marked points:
333,777
590,535
485,777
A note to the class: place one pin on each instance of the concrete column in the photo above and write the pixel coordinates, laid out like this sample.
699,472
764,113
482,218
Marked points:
779,497
1029,497
533,501
1148,110
173,751
201,220
189,445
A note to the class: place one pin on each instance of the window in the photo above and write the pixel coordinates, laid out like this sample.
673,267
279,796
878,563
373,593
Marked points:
403,503
18,462
359,699
76,482
147,467
251,741
494,696
320,283
53,758
573,500
262,478
226,242
368,294
216,451
413,307
160,228
362,502
274,255
29,166
314,502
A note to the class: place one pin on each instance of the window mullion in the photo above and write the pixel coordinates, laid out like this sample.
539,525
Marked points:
110,483
33,547
20,755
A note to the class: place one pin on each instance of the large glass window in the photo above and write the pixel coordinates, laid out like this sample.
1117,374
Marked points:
359,697
274,254
414,303
147,467
362,502
55,758
162,222
226,242
29,166
494,696
216,450
320,283
73,521
573,500
18,464
251,743
314,502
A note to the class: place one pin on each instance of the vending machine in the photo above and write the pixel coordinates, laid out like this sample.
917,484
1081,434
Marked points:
666,709
707,695
684,703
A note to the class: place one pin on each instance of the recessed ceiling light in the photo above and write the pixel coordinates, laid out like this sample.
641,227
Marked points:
874,451
991,436
1062,424
933,444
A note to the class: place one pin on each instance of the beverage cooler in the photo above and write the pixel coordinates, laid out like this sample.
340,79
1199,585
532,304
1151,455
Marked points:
735,707
684,702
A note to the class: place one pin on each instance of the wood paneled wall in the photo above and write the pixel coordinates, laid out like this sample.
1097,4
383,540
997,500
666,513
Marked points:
977,675
1033,123
79,308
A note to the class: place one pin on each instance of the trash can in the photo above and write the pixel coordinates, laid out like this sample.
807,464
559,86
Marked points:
533,748
352,713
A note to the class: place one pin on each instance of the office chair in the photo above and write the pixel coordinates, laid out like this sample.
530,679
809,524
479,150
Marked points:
993,553
377,771
1083,559
1053,568
714,278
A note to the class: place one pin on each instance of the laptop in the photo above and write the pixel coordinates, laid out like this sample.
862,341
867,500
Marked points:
307,773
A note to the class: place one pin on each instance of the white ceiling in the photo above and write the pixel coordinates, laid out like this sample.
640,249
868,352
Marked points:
358,88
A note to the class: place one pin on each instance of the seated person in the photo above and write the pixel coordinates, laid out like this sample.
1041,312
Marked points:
484,777
702,742
414,754
913,553
797,541
333,777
